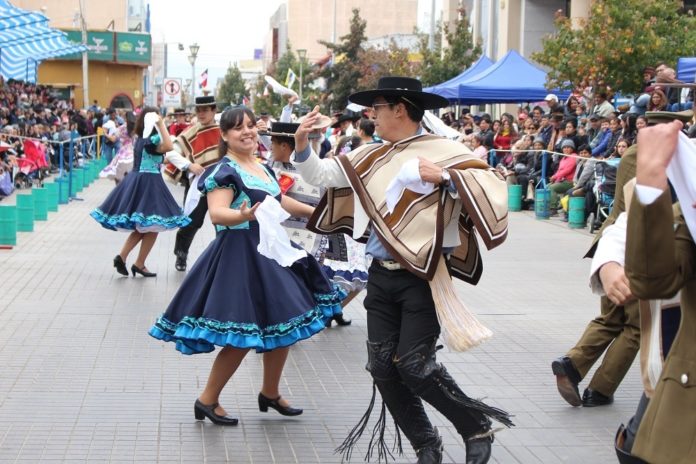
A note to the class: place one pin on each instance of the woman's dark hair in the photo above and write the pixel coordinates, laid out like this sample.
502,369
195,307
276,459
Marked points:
413,107
367,126
574,122
130,123
140,122
231,119
584,147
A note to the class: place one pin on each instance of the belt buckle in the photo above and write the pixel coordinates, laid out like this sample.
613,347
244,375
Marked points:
390,265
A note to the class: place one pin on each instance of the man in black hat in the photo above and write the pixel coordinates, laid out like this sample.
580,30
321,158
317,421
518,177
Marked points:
195,149
413,242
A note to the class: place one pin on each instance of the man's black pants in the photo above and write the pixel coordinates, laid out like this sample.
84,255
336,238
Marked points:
402,329
184,236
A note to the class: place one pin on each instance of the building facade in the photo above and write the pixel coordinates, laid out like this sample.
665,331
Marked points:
119,50
303,23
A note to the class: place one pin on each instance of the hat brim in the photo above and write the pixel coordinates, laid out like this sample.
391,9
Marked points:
280,134
430,101
212,103
322,123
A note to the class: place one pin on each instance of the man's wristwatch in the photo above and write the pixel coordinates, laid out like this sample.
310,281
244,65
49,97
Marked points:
446,178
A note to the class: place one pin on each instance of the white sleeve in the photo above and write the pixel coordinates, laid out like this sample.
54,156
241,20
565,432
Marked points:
316,171
176,158
286,114
265,141
610,248
647,195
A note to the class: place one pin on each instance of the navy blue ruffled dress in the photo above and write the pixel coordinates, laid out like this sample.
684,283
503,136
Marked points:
142,201
235,296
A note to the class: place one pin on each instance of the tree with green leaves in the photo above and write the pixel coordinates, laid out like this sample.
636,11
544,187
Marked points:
376,63
343,75
232,89
446,61
612,46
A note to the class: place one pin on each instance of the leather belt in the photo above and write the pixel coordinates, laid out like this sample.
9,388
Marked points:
389,264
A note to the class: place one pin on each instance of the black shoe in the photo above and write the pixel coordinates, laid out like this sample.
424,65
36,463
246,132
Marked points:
567,380
339,321
201,411
431,454
265,403
478,450
135,269
180,263
120,266
592,398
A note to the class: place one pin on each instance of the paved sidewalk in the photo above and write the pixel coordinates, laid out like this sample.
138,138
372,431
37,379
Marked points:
81,381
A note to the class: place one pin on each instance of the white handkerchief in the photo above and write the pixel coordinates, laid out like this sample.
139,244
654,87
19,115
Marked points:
150,123
278,88
407,178
680,172
438,127
193,196
273,239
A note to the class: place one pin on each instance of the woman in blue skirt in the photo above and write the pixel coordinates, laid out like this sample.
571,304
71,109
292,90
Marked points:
142,204
235,297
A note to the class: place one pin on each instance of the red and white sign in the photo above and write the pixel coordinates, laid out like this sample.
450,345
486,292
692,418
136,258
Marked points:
171,92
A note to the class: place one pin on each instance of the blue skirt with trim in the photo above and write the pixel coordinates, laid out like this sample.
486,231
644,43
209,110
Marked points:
234,296
142,202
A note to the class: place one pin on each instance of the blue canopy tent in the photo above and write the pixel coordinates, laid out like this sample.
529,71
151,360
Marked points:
512,79
686,69
26,40
450,89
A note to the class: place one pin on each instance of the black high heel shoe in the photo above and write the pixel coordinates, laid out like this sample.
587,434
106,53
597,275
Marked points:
339,321
135,269
120,266
265,403
201,411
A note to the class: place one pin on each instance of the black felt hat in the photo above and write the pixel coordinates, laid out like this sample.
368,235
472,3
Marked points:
345,116
408,88
206,100
179,111
283,129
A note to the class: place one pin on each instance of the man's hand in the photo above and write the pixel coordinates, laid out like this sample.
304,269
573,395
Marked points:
615,283
302,134
429,171
261,126
196,169
656,146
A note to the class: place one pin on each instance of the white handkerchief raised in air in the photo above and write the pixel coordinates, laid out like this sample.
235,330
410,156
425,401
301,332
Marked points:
279,88
680,173
274,242
407,178
150,123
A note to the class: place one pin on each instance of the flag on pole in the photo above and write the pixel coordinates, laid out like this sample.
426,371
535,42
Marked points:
204,80
290,79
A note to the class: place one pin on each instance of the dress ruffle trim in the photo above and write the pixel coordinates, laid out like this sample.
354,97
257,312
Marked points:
201,335
139,222
348,281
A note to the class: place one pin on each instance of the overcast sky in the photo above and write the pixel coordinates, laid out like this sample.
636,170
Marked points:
227,31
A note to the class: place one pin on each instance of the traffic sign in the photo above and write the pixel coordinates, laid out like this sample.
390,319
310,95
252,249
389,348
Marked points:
171,95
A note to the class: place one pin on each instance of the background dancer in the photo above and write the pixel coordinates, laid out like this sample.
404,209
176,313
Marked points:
142,204
194,149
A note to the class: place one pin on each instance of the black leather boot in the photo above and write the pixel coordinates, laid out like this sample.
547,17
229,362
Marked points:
431,381
405,407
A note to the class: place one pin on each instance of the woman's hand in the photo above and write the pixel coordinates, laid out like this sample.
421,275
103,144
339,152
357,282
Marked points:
247,213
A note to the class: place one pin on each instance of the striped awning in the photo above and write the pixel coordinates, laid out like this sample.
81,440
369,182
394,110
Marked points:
26,39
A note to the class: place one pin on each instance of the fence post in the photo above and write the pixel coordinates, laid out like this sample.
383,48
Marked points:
70,163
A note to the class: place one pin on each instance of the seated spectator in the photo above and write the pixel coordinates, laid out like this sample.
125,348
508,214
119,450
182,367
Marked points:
480,150
504,139
562,180
658,101
601,141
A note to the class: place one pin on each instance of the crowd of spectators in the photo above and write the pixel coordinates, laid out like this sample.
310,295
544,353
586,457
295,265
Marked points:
571,136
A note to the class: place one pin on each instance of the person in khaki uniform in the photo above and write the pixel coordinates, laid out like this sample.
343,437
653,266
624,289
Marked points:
660,261
617,328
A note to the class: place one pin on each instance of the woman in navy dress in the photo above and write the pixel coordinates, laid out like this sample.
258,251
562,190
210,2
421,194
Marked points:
236,298
142,204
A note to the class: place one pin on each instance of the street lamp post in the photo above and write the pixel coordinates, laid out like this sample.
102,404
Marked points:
302,55
192,59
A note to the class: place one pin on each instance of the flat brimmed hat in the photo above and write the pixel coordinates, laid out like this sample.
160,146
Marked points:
346,116
283,129
407,88
180,111
205,100
322,123
658,117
